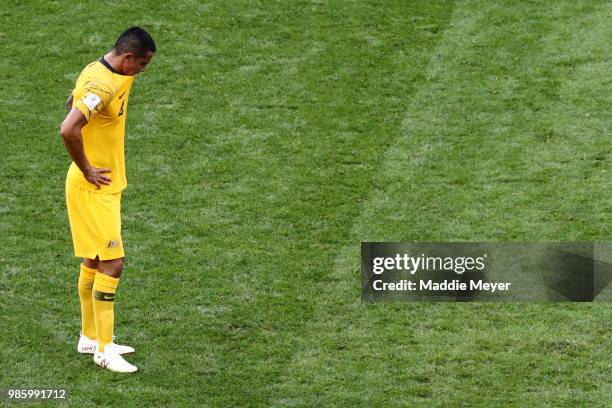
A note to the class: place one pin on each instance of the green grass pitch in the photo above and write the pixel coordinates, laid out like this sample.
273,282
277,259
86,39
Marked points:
265,142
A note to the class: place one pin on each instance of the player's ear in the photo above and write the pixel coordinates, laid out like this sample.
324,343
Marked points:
129,56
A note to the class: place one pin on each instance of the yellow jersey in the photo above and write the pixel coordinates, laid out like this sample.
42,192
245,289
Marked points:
102,94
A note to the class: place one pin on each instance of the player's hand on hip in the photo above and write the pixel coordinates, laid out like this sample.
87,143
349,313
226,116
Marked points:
69,103
96,176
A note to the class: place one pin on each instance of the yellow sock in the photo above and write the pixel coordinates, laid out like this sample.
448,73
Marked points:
86,281
103,295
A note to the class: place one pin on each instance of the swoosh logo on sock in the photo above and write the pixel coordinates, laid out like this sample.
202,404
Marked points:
103,296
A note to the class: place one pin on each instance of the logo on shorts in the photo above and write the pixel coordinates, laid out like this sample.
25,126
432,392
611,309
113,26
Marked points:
112,244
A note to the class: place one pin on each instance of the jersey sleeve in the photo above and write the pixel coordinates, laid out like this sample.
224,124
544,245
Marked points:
91,97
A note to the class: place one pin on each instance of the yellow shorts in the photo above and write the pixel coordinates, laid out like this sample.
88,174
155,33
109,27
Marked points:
95,222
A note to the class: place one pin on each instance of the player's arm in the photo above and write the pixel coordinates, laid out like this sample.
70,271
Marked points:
73,140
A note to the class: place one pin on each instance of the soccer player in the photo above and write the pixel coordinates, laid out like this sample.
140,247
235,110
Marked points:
93,134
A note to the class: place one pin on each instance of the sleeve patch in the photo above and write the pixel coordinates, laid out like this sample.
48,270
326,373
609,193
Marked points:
91,100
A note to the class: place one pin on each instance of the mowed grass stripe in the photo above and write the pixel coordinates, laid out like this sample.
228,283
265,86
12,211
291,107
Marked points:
476,137
319,142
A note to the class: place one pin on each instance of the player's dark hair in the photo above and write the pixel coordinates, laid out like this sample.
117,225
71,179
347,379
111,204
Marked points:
135,40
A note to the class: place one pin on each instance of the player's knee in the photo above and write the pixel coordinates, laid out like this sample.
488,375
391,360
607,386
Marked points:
119,264
112,268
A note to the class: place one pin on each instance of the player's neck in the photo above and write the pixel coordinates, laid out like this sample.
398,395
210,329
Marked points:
114,60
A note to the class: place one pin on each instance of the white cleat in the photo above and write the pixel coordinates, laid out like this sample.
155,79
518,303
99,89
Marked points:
119,348
111,360
89,346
